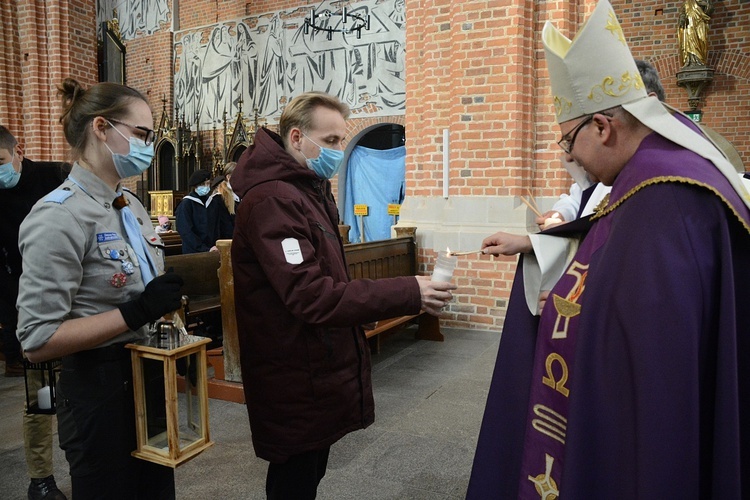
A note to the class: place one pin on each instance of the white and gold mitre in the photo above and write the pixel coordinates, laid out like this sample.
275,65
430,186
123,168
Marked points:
595,71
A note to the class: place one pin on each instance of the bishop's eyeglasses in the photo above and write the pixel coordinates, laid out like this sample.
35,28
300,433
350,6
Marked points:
566,143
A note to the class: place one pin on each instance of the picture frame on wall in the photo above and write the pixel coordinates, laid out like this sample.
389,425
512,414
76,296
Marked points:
111,54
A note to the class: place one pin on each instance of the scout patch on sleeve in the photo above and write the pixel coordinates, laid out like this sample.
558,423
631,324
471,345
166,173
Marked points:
292,251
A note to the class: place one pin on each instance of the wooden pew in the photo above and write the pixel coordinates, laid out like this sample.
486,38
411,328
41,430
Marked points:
172,240
201,274
172,243
204,280
232,372
389,259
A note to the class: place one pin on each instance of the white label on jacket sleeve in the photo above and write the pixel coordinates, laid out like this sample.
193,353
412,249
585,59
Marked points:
292,251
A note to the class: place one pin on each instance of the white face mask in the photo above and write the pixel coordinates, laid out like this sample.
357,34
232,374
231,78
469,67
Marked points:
579,175
327,163
136,161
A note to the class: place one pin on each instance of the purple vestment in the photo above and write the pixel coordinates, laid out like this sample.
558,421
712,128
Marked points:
658,359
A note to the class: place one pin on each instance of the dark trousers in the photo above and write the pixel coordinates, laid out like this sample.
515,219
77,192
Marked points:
298,477
154,482
11,345
96,426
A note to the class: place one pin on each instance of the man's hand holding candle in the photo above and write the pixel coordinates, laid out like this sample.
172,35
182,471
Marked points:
435,294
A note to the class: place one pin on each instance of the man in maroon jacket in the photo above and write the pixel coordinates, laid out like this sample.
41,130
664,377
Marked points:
305,360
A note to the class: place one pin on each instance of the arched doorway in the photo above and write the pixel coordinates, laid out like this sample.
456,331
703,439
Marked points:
164,173
374,175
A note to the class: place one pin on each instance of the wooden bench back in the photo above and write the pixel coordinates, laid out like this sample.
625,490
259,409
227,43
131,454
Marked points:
382,259
199,270
172,243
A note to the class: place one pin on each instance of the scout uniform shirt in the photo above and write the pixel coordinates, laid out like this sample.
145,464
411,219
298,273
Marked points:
77,261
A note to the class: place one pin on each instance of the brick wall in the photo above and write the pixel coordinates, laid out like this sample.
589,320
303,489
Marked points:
651,28
474,67
148,66
478,69
149,69
471,80
43,42
467,71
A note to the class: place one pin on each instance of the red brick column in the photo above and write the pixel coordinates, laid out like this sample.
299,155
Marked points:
43,42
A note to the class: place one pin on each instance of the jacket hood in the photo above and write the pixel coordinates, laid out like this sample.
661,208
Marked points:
267,160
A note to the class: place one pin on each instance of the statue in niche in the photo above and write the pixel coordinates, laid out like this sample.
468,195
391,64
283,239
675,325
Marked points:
692,32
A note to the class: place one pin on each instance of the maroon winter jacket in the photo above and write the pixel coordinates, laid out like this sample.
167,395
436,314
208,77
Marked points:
305,360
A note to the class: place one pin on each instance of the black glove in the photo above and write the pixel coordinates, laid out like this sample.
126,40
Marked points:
162,295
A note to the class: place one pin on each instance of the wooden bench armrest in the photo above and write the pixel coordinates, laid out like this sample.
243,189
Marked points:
388,324
429,328
202,305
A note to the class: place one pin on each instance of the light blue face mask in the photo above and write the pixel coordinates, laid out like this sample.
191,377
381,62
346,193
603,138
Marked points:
202,190
8,175
136,161
327,163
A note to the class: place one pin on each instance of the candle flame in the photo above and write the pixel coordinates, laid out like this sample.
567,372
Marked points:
447,251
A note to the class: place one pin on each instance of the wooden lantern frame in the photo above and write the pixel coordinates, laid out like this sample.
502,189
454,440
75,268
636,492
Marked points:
185,345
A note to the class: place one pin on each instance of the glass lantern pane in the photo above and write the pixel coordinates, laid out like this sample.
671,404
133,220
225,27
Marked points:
156,410
189,407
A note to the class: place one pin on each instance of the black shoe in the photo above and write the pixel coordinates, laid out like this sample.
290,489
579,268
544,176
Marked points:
45,489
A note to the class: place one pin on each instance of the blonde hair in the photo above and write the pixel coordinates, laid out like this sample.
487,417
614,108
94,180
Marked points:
227,195
298,113
224,189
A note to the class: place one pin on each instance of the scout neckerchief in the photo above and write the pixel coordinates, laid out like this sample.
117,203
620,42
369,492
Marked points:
135,238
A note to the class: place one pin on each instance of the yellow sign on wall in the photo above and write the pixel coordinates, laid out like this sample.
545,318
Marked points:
360,209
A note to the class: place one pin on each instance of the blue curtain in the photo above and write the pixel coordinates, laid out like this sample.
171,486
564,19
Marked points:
374,178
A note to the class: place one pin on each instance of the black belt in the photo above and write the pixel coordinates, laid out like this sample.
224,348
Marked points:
114,352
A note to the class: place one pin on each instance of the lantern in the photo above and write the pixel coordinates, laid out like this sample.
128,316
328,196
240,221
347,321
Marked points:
171,395
41,382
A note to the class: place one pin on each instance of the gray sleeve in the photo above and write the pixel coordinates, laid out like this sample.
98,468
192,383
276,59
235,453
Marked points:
52,245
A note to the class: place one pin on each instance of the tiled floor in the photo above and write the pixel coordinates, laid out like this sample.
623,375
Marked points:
429,401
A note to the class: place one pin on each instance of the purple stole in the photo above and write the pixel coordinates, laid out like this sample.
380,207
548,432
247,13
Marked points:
542,465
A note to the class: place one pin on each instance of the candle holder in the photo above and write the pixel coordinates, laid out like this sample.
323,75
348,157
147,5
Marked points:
444,267
41,382
171,410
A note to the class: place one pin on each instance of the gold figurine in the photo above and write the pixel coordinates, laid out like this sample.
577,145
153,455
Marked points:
692,32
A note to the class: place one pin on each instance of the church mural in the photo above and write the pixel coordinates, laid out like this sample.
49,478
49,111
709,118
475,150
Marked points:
261,62
134,16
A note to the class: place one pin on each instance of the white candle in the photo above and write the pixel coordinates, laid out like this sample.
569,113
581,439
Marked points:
552,221
44,398
443,270
441,275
